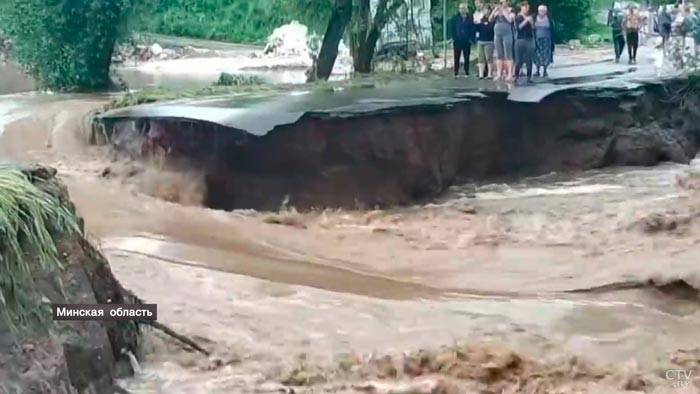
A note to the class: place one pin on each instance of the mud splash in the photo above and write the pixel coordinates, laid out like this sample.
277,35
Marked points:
531,273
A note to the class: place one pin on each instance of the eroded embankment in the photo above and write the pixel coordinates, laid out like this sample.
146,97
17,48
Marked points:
45,259
403,154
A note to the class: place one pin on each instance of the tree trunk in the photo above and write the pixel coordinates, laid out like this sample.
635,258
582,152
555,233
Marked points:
363,53
342,11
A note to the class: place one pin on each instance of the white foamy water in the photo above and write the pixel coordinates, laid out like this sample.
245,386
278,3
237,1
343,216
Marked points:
540,191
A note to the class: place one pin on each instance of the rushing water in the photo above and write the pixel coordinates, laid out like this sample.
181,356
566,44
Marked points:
260,294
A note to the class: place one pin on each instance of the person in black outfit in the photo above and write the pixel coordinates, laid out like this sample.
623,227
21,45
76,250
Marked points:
463,34
525,41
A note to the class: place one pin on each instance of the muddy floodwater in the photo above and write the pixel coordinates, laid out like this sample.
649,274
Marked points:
600,267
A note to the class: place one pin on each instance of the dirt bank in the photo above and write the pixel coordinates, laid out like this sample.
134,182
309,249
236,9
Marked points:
410,153
36,354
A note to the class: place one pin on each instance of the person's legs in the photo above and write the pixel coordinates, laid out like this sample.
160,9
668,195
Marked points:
518,57
619,42
529,57
467,49
481,55
633,44
458,55
630,45
500,54
509,65
488,50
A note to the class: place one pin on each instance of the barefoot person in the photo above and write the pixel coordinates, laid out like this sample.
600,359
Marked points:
616,21
485,46
544,41
463,32
502,17
633,22
525,41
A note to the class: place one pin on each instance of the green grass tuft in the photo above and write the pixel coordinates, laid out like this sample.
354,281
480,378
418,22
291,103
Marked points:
29,219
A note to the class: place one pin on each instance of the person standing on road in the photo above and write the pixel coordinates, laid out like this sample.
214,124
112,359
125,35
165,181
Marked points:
485,46
525,42
633,22
463,32
544,40
502,17
664,24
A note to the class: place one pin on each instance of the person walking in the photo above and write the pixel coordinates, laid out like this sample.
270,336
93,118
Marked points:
633,22
616,21
664,24
463,33
544,41
485,46
525,41
502,18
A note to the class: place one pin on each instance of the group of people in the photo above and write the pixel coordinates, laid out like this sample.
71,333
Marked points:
519,40
680,19
625,30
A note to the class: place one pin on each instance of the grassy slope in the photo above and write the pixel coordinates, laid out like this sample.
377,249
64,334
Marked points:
29,218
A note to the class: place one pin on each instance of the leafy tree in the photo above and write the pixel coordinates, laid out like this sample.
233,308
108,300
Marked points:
366,29
66,45
570,16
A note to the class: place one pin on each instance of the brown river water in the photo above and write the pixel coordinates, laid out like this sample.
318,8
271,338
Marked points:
552,270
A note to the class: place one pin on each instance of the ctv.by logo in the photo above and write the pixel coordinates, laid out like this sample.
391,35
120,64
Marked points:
680,377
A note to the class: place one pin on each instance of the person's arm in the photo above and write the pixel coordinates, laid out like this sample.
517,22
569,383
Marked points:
551,35
523,23
510,15
493,15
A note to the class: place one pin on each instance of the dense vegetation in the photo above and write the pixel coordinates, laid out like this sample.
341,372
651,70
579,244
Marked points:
65,45
253,21
232,20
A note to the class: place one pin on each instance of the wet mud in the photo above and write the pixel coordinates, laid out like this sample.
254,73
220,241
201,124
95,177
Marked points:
545,284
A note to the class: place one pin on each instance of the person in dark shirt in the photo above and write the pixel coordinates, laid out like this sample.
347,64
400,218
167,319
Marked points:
616,21
463,35
525,41
485,46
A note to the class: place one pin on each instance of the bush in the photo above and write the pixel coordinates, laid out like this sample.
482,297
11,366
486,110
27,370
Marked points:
65,45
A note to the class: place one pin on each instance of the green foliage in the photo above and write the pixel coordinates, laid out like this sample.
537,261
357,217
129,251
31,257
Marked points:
226,79
65,45
28,218
239,21
570,16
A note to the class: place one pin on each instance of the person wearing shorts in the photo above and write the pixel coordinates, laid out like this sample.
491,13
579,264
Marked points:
485,46
502,18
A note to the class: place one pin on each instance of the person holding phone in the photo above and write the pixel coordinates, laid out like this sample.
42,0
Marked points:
502,18
485,46
525,42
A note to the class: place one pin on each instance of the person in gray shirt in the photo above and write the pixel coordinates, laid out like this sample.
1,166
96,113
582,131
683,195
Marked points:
502,17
